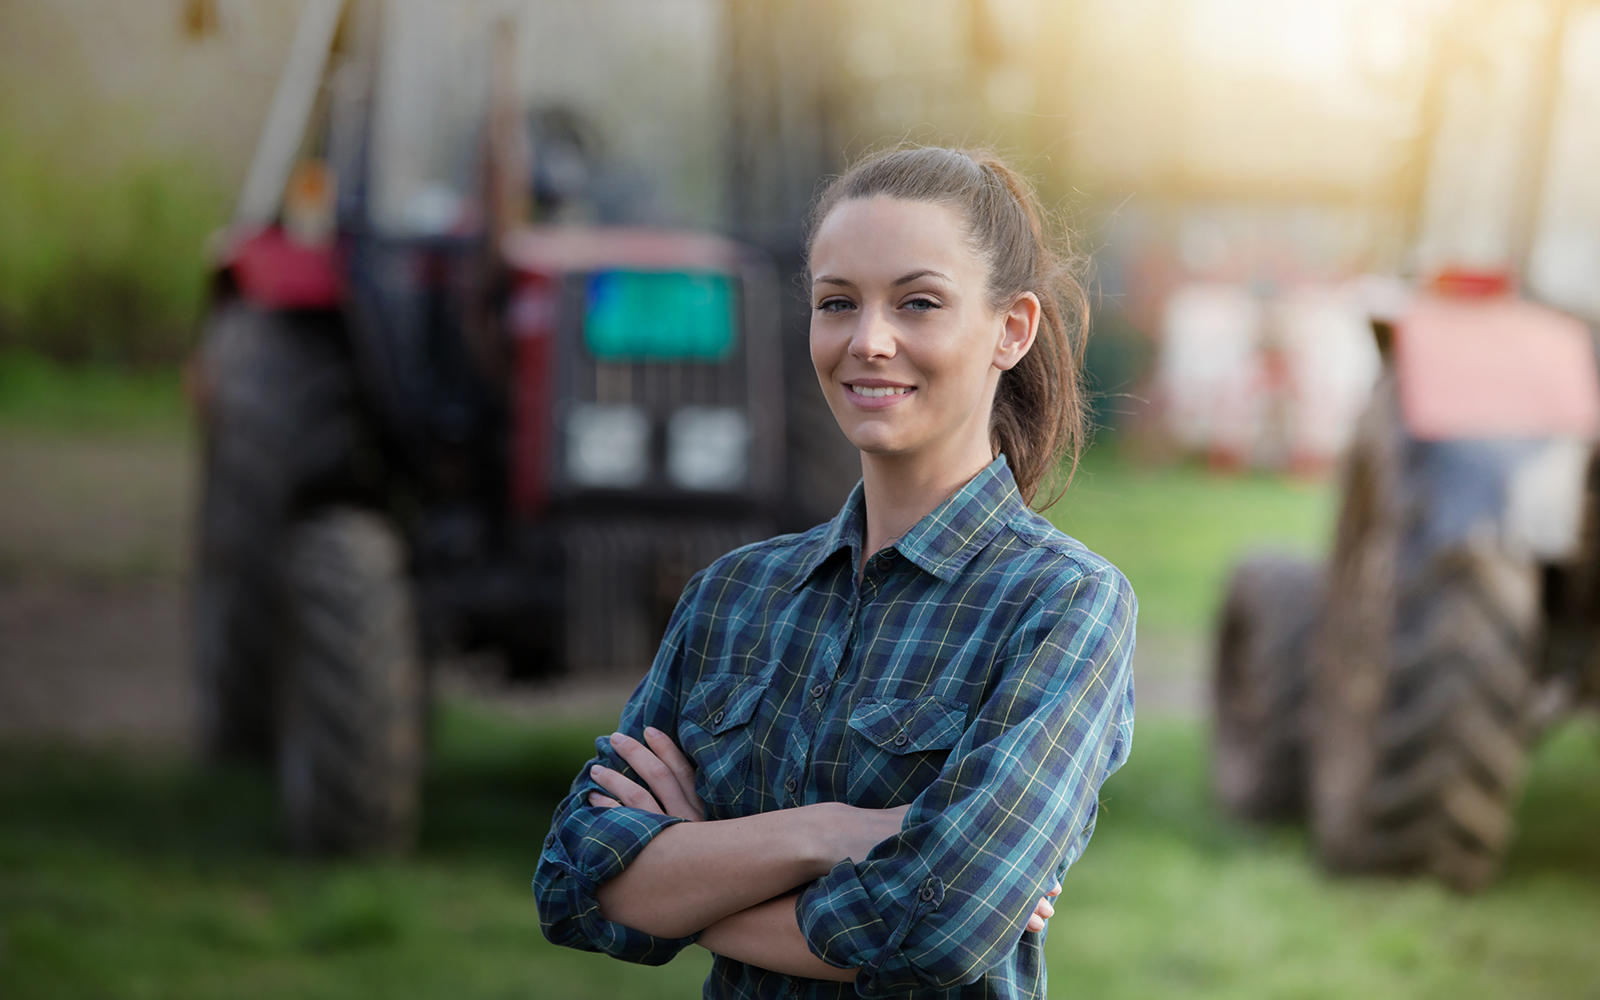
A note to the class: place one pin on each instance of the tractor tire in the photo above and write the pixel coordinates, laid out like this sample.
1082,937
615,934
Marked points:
277,404
1422,682
354,699
1260,684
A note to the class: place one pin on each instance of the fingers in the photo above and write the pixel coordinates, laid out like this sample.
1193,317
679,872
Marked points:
678,764
603,801
1056,891
663,783
624,790
1042,911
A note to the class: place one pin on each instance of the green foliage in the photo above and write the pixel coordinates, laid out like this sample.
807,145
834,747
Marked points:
99,264
1175,531
134,880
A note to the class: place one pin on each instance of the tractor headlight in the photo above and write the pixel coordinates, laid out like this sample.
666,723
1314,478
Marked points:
708,449
608,445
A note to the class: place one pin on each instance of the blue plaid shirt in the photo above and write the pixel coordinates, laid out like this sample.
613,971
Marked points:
979,670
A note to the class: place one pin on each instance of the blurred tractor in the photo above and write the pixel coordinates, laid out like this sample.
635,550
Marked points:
1393,695
429,426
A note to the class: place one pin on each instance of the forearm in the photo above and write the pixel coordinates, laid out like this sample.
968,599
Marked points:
768,936
693,874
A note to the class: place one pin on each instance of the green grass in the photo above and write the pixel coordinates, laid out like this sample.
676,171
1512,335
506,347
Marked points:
1176,530
122,879
40,394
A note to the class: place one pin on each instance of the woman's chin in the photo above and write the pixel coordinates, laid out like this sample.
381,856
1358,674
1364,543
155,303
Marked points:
873,441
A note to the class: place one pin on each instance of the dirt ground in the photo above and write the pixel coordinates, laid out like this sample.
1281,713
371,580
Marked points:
95,534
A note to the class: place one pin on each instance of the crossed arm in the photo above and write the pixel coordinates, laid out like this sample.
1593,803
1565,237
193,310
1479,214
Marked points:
735,880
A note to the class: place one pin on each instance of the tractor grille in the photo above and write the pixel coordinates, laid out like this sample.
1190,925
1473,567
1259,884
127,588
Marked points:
657,387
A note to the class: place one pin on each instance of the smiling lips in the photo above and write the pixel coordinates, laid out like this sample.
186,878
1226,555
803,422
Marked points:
872,396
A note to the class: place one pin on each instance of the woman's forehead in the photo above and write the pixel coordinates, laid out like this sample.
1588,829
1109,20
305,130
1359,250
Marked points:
890,237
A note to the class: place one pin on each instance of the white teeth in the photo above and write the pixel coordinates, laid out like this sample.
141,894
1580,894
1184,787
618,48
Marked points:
878,392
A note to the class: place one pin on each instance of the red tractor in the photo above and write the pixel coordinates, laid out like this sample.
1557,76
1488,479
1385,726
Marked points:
430,426
1393,695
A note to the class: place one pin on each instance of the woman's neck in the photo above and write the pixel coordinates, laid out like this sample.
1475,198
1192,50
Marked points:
900,490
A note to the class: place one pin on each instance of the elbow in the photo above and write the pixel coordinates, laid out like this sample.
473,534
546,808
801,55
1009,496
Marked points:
554,899
949,975
959,966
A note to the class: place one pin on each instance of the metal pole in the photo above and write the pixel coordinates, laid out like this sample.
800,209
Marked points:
286,118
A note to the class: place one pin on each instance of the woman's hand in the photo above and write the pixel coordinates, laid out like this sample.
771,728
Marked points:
843,832
1043,911
664,768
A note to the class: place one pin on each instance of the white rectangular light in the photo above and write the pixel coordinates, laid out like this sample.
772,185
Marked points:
708,448
608,446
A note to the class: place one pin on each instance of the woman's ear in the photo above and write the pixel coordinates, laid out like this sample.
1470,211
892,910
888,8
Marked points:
1020,327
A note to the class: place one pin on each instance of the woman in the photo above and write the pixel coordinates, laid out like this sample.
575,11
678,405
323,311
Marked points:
866,754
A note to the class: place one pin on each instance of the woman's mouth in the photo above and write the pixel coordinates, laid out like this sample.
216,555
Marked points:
877,394
878,391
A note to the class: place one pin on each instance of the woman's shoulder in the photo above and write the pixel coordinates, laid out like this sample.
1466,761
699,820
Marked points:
1055,555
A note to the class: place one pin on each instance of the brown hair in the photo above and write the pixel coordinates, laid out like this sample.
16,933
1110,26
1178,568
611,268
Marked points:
1038,418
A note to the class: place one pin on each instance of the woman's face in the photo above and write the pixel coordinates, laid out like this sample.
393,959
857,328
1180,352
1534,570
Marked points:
905,344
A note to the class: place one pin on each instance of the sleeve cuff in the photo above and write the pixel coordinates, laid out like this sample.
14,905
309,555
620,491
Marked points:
593,847
842,926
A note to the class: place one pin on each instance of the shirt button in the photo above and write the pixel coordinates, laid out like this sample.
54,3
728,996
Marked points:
794,989
901,739
816,690
927,894
791,785
716,720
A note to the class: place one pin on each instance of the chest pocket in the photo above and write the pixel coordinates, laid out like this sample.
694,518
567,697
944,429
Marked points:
898,746
714,728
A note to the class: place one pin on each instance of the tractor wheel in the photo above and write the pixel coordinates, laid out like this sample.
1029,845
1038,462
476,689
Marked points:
1261,675
354,698
277,419
1421,686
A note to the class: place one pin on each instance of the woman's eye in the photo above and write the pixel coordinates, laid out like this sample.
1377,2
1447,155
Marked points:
835,305
921,305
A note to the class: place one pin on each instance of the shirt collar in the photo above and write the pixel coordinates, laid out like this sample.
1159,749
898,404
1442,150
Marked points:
945,540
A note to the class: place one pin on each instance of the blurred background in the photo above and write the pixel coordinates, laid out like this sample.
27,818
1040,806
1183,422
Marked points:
374,374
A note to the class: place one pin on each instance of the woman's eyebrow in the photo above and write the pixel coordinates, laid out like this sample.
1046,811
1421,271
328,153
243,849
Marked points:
904,279
926,272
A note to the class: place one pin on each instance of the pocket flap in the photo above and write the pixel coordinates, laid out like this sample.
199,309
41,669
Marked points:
723,701
907,725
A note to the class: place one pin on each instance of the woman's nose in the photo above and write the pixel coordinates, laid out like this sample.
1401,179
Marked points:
874,337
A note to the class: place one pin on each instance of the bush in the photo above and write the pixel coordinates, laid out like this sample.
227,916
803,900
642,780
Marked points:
100,264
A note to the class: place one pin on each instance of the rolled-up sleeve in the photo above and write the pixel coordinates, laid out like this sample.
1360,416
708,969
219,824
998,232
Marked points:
587,846
1013,808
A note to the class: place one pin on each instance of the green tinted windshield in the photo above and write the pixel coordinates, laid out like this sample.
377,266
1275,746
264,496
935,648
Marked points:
653,316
